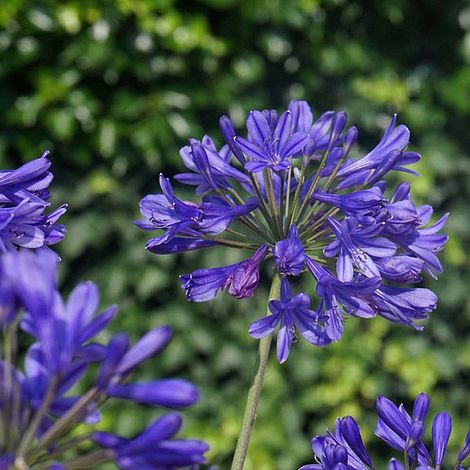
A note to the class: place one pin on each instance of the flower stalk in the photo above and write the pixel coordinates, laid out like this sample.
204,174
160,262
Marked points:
254,392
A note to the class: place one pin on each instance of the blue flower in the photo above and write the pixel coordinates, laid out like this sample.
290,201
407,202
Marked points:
39,403
357,247
241,279
289,254
398,429
404,305
318,131
176,217
154,446
23,202
344,449
291,313
290,190
337,297
389,154
268,146
341,449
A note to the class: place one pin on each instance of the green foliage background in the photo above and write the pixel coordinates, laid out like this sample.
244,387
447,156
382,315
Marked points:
114,88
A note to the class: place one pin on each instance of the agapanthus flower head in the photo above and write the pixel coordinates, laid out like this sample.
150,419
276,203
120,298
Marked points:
24,199
405,432
38,405
291,189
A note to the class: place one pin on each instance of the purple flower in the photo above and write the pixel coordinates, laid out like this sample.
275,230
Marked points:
23,203
175,217
465,449
318,132
288,190
400,269
268,147
404,305
210,169
344,448
356,247
40,401
441,429
289,254
204,284
154,446
341,449
240,278
389,154
171,393
338,298
359,203
291,313
395,427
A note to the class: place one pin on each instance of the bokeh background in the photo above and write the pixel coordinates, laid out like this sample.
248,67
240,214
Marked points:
115,88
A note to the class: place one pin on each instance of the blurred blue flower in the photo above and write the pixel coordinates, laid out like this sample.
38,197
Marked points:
39,406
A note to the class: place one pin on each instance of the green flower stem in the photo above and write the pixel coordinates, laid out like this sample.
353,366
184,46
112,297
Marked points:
262,207
231,243
268,183
287,202
406,460
60,426
254,393
90,460
30,432
312,187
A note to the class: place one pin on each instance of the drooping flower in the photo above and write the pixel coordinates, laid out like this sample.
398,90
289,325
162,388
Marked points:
290,190
38,404
344,449
24,199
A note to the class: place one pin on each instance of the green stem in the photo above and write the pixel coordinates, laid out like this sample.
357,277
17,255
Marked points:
312,188
90,460
64,446
268,184
231,243
243,219
406,460
286,208
254,393
30,432
262,207
60,426
295,200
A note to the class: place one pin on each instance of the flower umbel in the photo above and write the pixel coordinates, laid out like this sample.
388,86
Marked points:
343,449
289,190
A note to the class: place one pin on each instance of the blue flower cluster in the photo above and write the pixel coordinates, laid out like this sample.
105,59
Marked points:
289,189
343,449
23,201
39,405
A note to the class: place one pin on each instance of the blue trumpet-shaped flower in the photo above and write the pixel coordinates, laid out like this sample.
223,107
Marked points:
24,199
343,449
291,313
294,190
